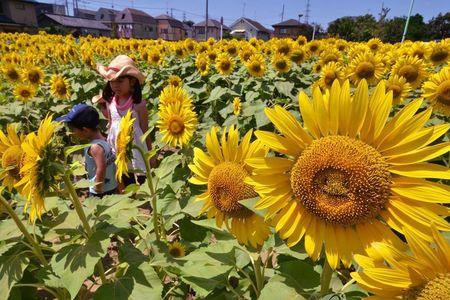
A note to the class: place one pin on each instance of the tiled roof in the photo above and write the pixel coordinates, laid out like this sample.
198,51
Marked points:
211,23
77,22
134,16
257,25
172,21
288,23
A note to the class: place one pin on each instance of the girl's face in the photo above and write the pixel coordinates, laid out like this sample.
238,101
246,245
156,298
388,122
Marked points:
122,86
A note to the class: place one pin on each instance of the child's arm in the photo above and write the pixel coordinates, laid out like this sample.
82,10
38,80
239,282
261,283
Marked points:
97,152
141,109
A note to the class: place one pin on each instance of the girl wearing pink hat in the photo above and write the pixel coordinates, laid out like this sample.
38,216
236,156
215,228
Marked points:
123,93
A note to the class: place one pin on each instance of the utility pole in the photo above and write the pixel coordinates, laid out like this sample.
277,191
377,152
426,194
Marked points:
221,27
171,12
206,22
407,20
184,16
282,14
67,7
307,12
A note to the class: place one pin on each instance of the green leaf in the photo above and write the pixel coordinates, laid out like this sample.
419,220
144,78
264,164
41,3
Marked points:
83,184
216,94
89,86
204,279
139,282
290,270
277,288
72,149
76,262
251,96
12,265
284,88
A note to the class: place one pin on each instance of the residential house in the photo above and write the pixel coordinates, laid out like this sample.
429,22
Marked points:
248,28
84,13
108,17
214,28
189,30
170,29
292,29
49,8
68,24
133,23
18,15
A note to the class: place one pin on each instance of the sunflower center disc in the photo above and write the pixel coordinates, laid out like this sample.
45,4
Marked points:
329,78
341,180
11,160
281,64
444,92
225,65
436,289
226,187
256,67
61,88
365,70
439,56
396,91
409,72
34,77
176,125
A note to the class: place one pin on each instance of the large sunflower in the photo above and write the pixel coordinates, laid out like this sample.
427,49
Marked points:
34,75
399,87
11,156
281,63
24,92
255,65
237,106
440,52
37,172
329,73
60,87
424,274
124,145
224,64
174,94
349,174
366,66
223,171
411,68
202,64
11,72
437,91
177,124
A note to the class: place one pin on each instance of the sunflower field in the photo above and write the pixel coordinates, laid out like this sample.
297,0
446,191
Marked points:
281,169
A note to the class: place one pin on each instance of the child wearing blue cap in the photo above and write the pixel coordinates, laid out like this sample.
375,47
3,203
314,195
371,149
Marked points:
83,120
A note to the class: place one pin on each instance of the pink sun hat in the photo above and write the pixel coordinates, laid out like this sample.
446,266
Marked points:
122,65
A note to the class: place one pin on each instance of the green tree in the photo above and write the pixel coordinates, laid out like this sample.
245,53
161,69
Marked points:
439,27
360,28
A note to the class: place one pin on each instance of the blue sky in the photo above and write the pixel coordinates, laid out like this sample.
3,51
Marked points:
269,12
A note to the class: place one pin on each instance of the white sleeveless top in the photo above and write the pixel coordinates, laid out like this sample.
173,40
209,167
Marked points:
137,162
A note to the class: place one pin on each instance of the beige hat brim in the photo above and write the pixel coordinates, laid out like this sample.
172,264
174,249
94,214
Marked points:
110,74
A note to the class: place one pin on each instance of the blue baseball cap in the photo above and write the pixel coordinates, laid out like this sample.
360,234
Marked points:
81,115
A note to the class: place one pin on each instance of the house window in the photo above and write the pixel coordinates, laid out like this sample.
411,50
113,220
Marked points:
283,30
150,29
20,6
102,16
123,16
201,30
164,30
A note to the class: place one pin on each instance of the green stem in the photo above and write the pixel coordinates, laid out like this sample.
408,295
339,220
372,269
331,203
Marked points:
80,212
40,286
35,246
259,276
325,279
152,192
